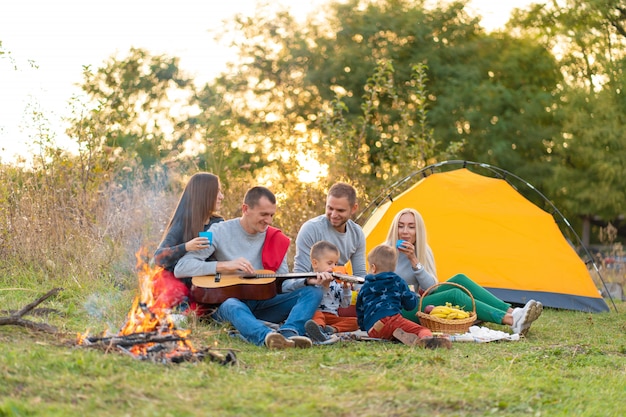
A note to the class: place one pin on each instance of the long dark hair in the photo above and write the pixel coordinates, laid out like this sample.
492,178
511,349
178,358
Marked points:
196,205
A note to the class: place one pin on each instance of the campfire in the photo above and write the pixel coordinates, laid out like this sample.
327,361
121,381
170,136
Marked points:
150,332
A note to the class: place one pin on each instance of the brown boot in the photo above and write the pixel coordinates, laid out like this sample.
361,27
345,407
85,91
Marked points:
434,343
407,338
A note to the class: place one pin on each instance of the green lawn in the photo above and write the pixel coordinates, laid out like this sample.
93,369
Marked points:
570,364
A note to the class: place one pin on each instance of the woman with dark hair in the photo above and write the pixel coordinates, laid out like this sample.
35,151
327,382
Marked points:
196,211
416,265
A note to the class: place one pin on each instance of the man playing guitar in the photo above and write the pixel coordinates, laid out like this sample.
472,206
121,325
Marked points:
239,247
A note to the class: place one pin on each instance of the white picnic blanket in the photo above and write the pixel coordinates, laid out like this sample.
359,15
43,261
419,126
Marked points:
479,334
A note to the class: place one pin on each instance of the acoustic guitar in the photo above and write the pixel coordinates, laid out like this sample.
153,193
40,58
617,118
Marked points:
215,289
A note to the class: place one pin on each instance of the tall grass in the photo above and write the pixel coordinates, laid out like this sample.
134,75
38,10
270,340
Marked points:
74,229
73,237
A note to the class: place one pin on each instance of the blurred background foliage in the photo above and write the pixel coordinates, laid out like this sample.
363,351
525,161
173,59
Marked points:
368,94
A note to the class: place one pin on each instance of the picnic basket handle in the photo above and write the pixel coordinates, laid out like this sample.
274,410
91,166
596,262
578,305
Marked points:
432,287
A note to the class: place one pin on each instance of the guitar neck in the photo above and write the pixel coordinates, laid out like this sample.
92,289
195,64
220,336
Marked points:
349,278
343,277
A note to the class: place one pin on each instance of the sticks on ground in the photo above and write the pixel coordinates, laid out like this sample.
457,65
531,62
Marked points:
15,318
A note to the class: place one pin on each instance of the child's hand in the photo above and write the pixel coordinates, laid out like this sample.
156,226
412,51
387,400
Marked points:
322,278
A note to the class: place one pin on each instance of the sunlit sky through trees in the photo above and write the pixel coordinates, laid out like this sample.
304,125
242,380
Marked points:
48,43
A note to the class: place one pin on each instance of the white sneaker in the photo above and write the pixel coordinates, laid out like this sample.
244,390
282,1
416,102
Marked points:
535,310
520,318
524,317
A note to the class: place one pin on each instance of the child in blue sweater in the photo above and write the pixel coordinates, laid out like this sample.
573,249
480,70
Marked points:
381,299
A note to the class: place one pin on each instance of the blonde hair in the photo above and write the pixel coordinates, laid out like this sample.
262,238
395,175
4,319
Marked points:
423,252
384,257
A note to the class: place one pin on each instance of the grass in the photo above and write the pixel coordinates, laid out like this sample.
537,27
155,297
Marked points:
571,364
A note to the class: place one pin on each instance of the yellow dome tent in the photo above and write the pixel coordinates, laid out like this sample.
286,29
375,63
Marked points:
482,227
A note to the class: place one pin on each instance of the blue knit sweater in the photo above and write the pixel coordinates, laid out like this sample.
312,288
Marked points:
382,295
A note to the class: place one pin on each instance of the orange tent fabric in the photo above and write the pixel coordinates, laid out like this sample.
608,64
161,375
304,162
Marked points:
482,227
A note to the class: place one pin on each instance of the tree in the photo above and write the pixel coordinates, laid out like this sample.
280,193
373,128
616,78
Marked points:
273,107
588,155
209,134
589,181
406,142
501,105
135,104
485,103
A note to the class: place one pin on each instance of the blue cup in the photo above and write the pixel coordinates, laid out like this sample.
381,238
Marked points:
208,235
399,243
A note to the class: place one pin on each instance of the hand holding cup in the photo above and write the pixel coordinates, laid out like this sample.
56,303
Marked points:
208,235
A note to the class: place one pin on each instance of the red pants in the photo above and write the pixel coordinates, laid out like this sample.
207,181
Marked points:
341,324
383,328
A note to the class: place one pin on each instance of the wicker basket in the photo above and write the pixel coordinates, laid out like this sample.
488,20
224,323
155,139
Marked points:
437,324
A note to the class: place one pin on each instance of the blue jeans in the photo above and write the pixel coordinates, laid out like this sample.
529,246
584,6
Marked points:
294,308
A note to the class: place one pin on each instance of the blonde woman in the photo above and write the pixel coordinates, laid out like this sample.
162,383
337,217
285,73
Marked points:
416,266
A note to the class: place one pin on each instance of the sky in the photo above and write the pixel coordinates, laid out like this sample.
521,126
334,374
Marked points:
50,41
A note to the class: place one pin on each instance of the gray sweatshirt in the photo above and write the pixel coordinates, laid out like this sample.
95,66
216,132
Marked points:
230,242
418,278
351,245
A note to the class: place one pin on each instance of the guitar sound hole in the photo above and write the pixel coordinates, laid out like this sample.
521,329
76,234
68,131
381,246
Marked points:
251,276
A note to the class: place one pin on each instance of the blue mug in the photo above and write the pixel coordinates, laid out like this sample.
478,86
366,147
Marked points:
208,235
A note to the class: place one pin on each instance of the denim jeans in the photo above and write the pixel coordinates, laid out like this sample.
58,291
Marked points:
294,308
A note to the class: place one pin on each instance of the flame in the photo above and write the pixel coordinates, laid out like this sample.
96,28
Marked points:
148,315
81,337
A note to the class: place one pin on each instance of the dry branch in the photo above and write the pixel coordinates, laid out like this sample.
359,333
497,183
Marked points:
39,312
16,319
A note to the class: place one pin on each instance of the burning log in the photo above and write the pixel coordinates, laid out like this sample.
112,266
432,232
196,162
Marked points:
132,339
158,347
15,318
150,332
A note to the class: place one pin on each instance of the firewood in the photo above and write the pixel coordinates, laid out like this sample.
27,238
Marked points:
163,349
132,339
